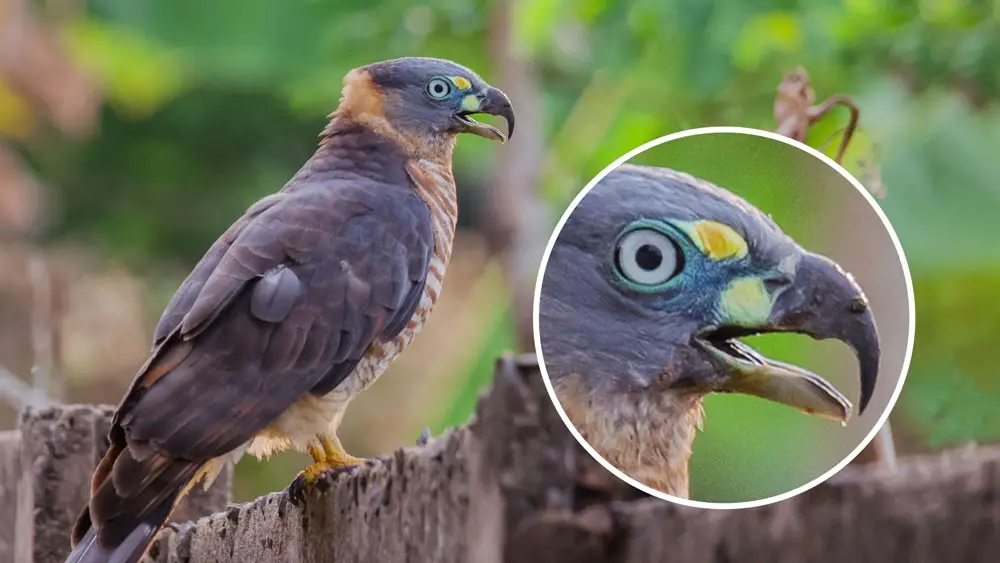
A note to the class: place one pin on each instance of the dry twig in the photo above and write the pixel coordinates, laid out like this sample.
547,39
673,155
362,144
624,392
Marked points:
795,111
17,393
46,312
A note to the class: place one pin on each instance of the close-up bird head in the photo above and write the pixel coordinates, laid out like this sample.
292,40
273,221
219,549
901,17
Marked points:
650,284
424,102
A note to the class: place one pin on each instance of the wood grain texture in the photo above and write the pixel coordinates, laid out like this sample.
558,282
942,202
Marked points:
44,486
934,509
10,472
60,447
404,507
513,485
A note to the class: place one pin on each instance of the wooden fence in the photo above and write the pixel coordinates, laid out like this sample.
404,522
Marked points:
510,486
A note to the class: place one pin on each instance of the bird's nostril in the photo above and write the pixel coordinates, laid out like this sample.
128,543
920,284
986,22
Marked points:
774,283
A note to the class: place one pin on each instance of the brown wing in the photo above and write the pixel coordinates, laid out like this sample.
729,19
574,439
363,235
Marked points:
189,290
288,300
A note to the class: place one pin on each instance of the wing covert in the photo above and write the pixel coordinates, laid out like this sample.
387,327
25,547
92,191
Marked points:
298,297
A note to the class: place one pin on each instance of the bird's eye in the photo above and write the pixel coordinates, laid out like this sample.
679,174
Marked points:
647,257
438,88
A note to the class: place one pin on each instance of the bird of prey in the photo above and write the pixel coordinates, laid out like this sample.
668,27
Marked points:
649,285
299,306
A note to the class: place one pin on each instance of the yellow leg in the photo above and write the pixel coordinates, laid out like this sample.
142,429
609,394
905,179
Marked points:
335,454
328,457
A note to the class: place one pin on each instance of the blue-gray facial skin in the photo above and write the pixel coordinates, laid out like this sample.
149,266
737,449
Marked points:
656,274
649,285
426,96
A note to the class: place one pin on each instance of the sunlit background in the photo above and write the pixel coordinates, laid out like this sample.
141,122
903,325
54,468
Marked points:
135,131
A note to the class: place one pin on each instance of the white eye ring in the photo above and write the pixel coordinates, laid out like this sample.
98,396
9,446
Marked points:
647,257
438,88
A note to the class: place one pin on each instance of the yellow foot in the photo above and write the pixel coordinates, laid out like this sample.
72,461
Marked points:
329,459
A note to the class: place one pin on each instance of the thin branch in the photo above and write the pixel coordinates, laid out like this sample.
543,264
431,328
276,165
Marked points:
17,393
885,446
795,112
42,323
516,216
817,112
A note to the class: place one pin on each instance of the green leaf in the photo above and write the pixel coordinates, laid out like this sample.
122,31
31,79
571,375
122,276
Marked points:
137,73
763,35
952,391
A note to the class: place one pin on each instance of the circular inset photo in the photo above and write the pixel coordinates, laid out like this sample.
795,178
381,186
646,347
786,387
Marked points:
724,317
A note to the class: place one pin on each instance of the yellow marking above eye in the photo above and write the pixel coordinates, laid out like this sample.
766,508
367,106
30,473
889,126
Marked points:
745,302
461,82
716,240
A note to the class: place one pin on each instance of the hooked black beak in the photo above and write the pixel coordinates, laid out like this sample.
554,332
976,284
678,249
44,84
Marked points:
822,301
825,302
490,101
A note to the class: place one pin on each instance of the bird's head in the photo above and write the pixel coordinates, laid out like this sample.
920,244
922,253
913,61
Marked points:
656,275
422,102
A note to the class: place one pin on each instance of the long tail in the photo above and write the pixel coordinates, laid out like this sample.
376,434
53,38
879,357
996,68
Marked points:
130,550
134,490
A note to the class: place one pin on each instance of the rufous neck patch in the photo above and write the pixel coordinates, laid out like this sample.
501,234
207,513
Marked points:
361,98
363,102
718,241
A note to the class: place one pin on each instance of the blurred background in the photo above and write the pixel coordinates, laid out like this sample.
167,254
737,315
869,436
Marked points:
132,132
749,448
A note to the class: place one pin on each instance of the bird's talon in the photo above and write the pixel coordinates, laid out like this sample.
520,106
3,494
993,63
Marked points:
296,490
317,473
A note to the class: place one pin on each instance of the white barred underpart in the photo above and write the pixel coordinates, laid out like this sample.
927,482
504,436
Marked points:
314,416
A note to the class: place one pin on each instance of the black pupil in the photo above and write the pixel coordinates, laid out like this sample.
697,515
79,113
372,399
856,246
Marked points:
438,88
648,257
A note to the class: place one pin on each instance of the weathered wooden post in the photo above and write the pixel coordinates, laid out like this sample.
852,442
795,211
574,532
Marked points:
510,486
45,470
60,446
10,473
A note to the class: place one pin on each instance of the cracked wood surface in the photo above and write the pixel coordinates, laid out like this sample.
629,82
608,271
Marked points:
513,485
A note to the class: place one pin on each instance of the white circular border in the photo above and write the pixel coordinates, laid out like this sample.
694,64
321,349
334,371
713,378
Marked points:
909,295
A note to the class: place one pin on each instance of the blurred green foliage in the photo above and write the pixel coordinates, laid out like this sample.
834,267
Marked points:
214,104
